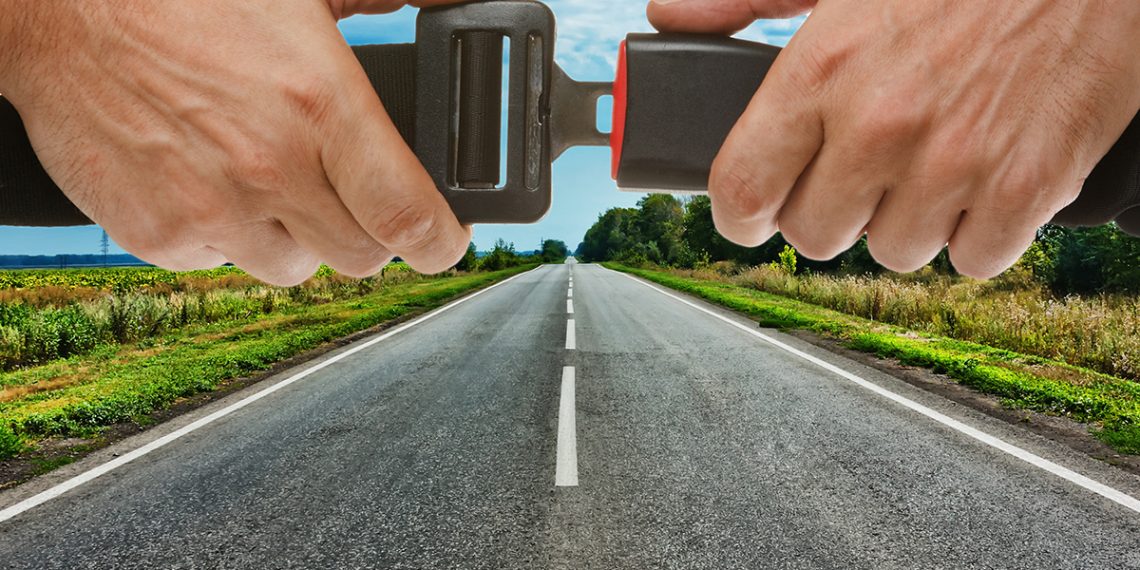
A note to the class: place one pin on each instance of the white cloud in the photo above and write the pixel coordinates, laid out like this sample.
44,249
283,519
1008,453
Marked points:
589,32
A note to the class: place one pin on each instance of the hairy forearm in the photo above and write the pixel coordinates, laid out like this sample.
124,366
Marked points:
13,20
1129,35
29,31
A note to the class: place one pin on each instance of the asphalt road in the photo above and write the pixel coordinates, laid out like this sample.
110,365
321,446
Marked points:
682,441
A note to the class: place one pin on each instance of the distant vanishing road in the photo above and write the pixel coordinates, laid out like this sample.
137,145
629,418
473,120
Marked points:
574,417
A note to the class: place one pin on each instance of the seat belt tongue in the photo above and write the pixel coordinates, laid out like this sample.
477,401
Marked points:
459,101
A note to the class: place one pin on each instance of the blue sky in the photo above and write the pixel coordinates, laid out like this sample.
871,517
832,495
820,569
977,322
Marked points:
589,32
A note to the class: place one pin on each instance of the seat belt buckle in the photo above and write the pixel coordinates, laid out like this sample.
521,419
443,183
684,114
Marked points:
459,102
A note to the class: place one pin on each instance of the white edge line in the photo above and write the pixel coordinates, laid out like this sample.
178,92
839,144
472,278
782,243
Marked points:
87,476
571,336
566,467
1065,473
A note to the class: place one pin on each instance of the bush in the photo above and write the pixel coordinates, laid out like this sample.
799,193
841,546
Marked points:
1095,332
502,256
10,443
787,261
76,332
470,261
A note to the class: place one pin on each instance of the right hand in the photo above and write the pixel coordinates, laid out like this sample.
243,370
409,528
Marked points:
203,132
923,125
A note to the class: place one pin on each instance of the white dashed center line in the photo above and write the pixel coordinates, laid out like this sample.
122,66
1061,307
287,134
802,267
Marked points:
566,468
571,340
570,306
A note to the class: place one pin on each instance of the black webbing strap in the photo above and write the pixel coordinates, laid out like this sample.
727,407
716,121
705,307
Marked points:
392,71
480,109
29,197
1113,188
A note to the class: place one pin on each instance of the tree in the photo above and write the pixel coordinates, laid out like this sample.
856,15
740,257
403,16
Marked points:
502,256
553,251
659,224
470,261
1087,260
667,231
609,235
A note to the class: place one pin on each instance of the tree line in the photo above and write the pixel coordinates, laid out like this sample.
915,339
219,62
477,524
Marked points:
666,231
504,255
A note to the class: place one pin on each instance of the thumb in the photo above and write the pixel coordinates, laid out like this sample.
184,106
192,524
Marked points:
719,16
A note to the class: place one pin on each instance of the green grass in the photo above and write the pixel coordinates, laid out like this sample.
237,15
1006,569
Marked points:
1110,404
44,465
80,396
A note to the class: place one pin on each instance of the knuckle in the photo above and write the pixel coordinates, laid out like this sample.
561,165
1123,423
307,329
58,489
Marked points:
733,187
170,254
362,263
945,170
449,259
808,240
816,65
1033,187
164,245
977,266
193,261
888,120
895,254
310,94
255,170
405,226
288,274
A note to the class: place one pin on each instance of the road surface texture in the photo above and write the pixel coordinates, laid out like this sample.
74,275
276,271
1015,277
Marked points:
647,433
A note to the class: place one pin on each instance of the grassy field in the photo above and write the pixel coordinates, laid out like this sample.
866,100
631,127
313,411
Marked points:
84,351
1073,357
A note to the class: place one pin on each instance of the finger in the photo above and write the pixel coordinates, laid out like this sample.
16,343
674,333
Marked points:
176,260
765,154
911,225
382,183
719,16
1001,225
268,252
156,241
345,8
990,240
832,203
325,228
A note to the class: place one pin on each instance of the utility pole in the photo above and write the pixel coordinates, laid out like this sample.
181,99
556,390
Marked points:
105,246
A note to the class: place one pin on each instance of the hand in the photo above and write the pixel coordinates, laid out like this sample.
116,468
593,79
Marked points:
921,124
203,132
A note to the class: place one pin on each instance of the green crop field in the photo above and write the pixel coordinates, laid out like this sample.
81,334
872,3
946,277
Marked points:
84,349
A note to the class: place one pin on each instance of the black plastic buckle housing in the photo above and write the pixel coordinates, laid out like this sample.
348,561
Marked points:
672,135
442,36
